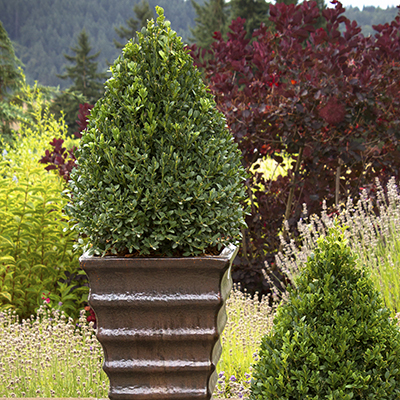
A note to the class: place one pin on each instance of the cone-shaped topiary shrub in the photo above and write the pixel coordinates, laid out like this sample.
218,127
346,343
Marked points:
332,339
157,169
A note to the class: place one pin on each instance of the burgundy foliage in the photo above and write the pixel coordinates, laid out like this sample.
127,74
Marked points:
328,97
59,157
84,111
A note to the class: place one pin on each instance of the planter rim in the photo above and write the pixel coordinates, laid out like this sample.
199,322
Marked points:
227,253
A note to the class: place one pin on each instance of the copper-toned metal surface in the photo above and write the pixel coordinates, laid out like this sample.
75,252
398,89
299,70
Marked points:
159,321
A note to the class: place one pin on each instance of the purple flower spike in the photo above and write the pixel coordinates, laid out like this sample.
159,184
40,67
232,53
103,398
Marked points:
232,378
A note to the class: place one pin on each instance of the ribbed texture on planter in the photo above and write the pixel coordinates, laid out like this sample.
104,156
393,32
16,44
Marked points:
159,321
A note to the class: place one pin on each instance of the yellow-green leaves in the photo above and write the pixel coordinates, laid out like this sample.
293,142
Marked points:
35,239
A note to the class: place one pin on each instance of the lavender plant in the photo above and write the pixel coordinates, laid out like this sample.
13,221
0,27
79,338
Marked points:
373,236
248,320
48,355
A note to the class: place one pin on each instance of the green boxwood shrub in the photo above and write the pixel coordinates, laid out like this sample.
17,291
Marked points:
332,339
158,171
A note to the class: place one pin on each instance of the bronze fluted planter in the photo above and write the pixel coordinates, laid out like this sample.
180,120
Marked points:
159,321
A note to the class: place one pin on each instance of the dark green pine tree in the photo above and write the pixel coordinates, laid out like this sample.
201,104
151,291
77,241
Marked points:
83,73
87,83
143,13
253,11
211,17
11,80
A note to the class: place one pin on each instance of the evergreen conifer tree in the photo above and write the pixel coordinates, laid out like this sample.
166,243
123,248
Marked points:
143,13
253,11
84,75
213,16
11,79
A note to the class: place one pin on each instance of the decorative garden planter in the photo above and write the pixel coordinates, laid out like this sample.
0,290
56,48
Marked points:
159,321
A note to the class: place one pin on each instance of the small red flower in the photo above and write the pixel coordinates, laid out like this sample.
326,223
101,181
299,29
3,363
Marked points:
264,149
91,317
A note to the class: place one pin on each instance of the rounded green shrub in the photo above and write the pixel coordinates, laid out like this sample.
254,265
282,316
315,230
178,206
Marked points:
158,171
332,339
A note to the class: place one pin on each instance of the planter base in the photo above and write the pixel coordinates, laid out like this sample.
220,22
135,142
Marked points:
159,321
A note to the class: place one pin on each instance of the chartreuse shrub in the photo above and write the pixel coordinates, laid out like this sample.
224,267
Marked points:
37,261
332,339
158,171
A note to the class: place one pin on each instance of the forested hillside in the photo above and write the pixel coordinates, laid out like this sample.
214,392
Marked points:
43,30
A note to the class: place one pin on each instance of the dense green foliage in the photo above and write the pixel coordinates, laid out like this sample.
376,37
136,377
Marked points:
11,79
331,339
157,168
37,260
43,31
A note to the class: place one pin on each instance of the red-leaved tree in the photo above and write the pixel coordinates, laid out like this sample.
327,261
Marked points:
328,97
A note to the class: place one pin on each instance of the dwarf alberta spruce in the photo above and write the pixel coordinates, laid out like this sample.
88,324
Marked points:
332,339
158,171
